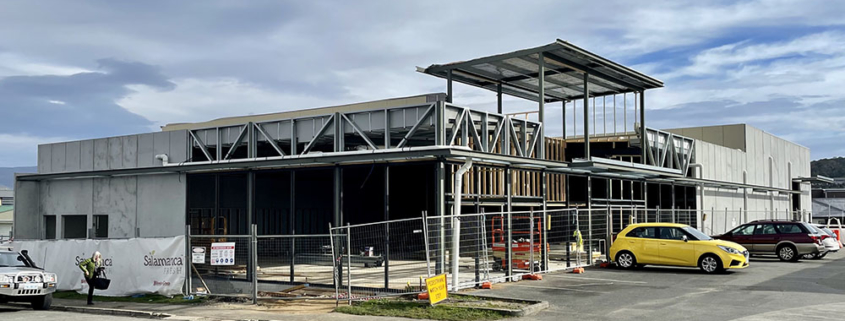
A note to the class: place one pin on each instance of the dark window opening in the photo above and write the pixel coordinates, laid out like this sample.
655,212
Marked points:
101,226
74,226
50,227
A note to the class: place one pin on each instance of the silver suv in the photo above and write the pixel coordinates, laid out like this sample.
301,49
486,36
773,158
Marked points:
22,281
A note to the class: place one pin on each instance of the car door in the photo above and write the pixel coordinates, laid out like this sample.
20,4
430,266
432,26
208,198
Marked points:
765,238
741,235
643,243
673,250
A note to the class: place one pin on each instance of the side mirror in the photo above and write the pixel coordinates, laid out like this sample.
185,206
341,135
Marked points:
685,238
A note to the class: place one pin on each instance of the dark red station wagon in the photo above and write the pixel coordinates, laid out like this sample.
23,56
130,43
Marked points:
789,240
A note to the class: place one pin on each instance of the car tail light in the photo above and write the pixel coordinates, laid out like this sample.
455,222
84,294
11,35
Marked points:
815,239
824,236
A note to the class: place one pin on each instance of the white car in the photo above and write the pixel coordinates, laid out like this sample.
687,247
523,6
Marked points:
22,281
831,244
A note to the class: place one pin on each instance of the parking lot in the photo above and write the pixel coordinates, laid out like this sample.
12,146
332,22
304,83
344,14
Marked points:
769,289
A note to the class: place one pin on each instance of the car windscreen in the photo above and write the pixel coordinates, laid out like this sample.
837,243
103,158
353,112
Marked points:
698,235
12,260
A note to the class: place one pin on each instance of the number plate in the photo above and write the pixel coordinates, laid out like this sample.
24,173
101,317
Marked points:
32,286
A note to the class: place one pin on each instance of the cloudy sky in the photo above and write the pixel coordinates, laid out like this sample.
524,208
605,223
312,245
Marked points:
86,69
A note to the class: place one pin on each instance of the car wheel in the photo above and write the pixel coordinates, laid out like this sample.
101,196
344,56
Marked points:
43,302
626,260
788,253
710,263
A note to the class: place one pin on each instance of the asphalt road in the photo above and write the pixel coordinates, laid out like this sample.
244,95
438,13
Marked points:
767,290
14,313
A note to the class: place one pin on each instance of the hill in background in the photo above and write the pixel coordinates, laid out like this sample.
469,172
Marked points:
7,174
830,167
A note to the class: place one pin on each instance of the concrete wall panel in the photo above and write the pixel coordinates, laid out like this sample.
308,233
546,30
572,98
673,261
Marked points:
161,205
101,154
45,159
72,156
121,206
130,151
161,145
86,155
178,146
58,157
146,150
27,215
71,196
115,153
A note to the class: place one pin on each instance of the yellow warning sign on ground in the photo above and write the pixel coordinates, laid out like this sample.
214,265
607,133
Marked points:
436,287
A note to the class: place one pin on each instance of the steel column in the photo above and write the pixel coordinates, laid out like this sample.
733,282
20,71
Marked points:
499,98
586,116
449,86
387,227
541,114
509,249
643,141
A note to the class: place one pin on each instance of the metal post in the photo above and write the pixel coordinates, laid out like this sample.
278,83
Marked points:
569,216
642,127
604,114
449,86
335,275
509,246
673,203
563,118
386,227
292,256
531,241
541,114
589,220
426,241
188,285
440,210
625,113
544,224
254,262
614,114
349,263
499,98
587,116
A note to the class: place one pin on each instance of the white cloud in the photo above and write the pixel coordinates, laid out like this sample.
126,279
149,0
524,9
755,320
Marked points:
56,102
205,99
14,65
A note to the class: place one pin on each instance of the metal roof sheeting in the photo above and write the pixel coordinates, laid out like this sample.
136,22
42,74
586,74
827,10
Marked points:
518,72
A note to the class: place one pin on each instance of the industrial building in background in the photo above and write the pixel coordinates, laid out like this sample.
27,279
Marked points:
304,173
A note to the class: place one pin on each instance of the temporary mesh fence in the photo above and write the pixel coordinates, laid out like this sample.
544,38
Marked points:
286,260
218,273
393,257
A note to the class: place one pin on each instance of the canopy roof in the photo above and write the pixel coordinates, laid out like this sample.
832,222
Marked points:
518,73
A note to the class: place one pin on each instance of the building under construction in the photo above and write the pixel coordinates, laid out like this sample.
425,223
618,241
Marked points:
302,171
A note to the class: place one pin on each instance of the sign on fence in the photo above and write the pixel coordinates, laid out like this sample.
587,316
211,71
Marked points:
436,288
223,253
198,254
138,265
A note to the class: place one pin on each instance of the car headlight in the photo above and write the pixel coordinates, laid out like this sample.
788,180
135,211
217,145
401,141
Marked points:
5,278
50,277
729,249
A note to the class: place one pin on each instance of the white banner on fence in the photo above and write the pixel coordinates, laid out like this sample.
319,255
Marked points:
139,265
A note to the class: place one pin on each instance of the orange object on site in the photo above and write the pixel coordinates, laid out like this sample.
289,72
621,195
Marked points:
486,285
578,270
836,231
535,277
422,296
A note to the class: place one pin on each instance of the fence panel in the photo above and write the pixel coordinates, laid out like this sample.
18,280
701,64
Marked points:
287,260
218,277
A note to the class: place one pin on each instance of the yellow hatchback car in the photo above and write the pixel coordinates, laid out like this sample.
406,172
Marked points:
675,245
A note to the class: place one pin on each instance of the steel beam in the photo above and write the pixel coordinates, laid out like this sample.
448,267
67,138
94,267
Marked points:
360,132
269,139
426,114
236,143
317,136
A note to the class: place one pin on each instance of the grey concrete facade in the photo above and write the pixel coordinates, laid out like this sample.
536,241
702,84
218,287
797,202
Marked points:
744,154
